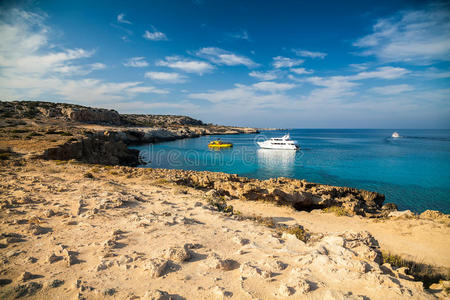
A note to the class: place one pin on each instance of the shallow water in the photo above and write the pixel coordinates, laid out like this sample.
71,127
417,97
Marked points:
413,171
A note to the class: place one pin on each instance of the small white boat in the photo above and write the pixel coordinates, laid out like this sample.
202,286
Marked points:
283,143
395,135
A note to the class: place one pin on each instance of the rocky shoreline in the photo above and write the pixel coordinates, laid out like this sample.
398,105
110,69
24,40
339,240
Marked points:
78,220
74,230
95,135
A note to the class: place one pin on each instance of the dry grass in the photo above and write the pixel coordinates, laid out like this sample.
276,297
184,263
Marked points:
220,204
337,210
299,232
425,273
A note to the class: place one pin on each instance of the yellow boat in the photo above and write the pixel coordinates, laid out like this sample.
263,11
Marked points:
219,144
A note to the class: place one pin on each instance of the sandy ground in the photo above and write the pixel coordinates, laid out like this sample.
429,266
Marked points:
421,240
121,236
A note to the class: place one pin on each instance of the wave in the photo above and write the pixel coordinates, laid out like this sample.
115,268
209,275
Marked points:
432,138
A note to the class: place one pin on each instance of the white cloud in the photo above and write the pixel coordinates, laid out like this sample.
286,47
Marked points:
240,35
98,66
166,77
134,106
69,70
154,35
359,67
301,71
417,37
33,68
392,89
333,87
121,19
186,65
136,62
432,73
382,73
223,57
286,62
260,95
306,53
269,86
271,75
146,90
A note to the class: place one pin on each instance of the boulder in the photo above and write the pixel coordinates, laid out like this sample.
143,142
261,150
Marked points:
177,254
156,267
403,214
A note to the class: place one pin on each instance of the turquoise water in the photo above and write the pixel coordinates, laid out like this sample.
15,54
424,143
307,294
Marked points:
413,171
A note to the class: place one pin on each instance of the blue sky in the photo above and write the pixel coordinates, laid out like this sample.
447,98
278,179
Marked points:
302,64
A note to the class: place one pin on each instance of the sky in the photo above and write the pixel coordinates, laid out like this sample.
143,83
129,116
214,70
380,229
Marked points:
284,64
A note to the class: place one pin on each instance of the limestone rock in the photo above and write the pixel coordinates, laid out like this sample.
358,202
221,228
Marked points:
284,290
177,254
435,215
69,257
215,262
25,276
49,213
303,286
27,289
56,283
54,258
405,214
156,267
37,230
156,295
249,270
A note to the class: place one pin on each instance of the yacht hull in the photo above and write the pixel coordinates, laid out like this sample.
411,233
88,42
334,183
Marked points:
265,145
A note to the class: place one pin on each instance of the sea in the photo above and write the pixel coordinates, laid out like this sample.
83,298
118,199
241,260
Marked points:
412,171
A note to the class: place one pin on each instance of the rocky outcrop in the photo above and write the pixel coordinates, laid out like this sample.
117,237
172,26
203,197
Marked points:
299,194
158,120
90,115
63,111
94,149
83,114
110,146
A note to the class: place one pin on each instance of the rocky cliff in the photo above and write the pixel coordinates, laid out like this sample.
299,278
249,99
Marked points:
84,114
97,135
63,111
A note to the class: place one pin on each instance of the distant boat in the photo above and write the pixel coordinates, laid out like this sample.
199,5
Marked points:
395,135
283,143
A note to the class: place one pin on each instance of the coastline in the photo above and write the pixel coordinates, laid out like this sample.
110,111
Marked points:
97,225
68,183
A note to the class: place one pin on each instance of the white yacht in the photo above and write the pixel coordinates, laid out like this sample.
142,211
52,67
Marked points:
395,135
283,143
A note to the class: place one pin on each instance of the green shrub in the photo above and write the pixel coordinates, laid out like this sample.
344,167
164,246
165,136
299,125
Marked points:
299,232
421,272
337,210
161,181
221,205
